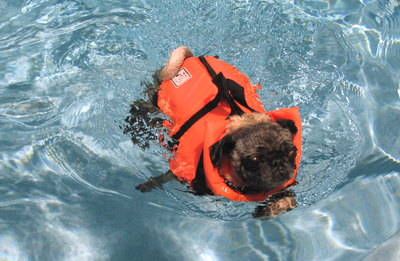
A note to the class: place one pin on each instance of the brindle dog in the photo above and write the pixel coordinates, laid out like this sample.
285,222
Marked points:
255,154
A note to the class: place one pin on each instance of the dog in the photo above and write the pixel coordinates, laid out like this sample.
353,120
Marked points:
253,155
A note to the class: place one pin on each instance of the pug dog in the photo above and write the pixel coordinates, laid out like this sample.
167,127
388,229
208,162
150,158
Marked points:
255,153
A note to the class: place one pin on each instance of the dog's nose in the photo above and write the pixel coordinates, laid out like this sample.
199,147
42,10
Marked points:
277,164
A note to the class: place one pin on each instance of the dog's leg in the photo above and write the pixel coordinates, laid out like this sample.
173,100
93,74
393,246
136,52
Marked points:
142,123
156,182
280,202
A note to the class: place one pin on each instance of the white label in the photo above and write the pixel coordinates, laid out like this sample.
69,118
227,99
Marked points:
181,77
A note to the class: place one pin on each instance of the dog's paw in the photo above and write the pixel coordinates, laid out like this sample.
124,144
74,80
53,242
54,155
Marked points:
156,182
262,212
143,188
149,185
276,207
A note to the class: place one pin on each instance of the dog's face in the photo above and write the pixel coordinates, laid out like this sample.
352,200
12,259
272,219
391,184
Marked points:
256,153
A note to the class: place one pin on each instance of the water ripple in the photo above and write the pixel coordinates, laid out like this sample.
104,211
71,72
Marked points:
332,143
315,233
34,111
58,226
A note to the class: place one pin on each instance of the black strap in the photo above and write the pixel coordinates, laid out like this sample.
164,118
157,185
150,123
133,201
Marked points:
199,183
197,116
234,90
228,90
210,70
237,92
222,83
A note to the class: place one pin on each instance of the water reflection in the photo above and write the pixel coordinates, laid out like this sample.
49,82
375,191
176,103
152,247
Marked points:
340,227
365,47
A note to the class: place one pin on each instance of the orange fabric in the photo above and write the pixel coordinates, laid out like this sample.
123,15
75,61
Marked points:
181,102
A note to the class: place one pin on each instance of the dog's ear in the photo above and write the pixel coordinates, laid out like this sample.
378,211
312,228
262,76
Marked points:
288,124
221,148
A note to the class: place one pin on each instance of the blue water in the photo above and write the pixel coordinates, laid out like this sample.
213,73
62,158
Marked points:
69,71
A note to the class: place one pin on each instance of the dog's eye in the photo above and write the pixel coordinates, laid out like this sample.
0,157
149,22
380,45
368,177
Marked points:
252,162
289,148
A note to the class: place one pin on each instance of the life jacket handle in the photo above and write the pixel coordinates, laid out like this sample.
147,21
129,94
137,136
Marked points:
228,90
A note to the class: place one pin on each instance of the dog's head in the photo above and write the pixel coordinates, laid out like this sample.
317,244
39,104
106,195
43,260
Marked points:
256,154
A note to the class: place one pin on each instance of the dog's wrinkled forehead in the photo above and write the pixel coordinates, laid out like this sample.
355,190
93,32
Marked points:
267,137
237,123
255,135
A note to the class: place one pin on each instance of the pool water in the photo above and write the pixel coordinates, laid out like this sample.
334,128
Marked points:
69,71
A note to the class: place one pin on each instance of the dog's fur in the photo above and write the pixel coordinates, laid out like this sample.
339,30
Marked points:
176,58
255,154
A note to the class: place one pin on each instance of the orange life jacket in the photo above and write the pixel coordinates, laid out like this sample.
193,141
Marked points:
198,100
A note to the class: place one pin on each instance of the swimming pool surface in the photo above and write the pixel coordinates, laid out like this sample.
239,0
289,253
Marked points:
69,71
